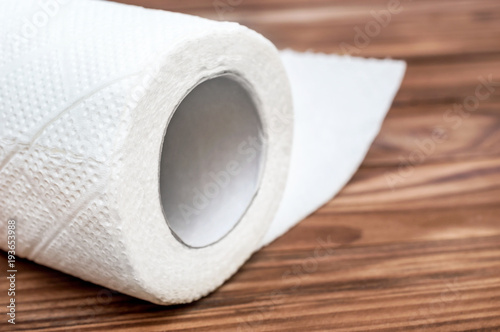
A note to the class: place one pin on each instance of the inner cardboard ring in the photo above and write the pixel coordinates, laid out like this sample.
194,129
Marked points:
211,161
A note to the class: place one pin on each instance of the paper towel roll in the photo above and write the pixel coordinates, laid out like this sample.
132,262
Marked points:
148,151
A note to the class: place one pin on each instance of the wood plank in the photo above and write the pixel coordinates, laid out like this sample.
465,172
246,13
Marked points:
451,80
413,186
424,28
438,133
337,269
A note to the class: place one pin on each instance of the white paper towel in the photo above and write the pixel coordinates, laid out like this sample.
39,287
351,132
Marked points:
87,102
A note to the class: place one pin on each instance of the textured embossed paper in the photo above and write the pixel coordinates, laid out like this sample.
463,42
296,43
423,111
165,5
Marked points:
153,152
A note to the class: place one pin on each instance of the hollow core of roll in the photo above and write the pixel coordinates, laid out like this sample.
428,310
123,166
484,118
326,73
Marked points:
211,161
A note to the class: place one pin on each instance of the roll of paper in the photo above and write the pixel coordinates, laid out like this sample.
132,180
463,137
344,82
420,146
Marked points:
153,152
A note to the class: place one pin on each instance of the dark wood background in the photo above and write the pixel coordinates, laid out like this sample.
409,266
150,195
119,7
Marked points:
413,241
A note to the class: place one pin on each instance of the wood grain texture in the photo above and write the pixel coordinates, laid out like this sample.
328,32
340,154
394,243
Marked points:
412,243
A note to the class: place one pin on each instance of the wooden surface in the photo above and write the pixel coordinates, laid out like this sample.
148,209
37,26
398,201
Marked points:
406,246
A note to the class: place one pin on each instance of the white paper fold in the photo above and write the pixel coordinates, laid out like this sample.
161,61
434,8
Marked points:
339,105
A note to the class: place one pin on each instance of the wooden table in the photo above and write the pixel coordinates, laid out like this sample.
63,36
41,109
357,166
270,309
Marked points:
411,243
